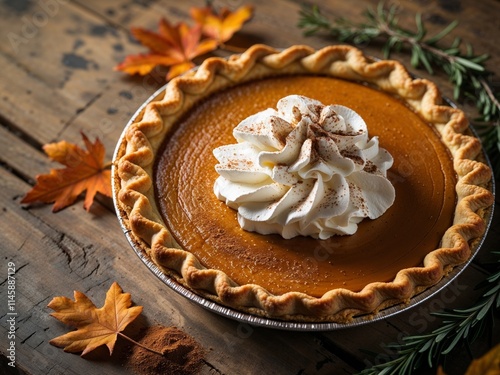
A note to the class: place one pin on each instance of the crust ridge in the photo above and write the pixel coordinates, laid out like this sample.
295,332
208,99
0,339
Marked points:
134,171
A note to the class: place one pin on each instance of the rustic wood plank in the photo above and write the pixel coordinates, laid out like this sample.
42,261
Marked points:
19,156
75,53
35,108
74,49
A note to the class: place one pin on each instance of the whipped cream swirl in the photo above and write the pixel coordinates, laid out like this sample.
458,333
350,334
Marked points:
304,169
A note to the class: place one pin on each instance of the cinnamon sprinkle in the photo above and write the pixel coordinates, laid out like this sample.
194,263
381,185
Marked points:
183,354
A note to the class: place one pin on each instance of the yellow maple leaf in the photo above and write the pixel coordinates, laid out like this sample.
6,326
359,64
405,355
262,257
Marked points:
85,170
221,25
95,326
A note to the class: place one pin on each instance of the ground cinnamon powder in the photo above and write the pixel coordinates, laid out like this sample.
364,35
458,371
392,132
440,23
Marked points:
183,354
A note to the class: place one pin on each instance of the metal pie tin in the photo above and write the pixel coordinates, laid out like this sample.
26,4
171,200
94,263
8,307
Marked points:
260,321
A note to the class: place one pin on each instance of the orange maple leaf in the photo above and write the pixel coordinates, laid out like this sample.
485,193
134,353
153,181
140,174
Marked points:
488,364
85,170
95,326
221,26
173,46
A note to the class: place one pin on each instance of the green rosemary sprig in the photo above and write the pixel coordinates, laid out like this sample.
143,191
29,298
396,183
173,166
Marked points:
465,70
458,326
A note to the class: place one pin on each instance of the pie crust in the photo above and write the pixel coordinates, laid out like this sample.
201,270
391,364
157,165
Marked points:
133,175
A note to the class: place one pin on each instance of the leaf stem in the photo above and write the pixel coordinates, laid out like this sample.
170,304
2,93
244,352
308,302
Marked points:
140,345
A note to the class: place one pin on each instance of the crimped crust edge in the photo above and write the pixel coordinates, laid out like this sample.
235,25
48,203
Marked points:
134,176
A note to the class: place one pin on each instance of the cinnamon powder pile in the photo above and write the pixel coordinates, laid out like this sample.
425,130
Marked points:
183,355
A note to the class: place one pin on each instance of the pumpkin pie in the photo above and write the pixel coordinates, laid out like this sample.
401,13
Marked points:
165,170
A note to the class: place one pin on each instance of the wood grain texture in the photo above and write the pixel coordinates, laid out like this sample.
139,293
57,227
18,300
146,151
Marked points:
57,79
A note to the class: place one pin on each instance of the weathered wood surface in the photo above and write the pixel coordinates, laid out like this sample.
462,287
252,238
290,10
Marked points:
57,79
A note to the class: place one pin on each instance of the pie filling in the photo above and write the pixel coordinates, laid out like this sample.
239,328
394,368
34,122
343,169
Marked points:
422,175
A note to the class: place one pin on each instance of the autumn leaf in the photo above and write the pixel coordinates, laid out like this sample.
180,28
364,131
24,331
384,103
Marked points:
221,26
489,364
173,46
85,170
94,326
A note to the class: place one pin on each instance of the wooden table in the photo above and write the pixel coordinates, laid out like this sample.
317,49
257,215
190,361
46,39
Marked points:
57,79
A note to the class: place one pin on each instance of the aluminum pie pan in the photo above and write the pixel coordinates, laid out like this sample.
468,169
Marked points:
261,321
